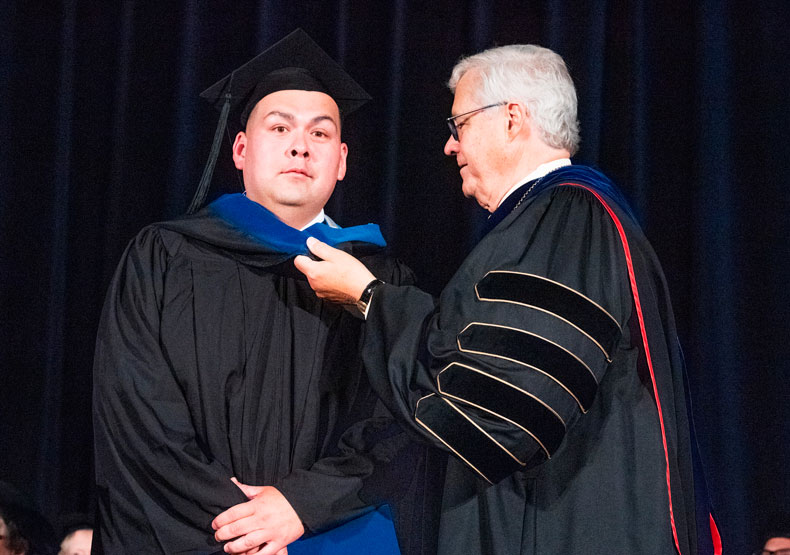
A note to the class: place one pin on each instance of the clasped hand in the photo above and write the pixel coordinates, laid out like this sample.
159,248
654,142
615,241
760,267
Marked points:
265,524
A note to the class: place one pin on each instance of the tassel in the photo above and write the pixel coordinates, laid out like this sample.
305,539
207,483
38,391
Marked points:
208,171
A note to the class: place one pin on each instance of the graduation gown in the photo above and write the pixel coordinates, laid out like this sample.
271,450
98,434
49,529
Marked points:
215,359
550,369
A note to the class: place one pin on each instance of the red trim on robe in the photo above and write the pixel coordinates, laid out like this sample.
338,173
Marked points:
714,534
638,307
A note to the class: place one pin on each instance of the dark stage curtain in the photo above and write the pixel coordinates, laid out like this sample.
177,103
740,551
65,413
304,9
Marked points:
685,104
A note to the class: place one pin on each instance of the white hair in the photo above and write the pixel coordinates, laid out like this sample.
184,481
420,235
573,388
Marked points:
533,75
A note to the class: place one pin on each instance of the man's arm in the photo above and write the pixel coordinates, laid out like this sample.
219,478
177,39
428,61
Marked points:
347,479
158,491
491,377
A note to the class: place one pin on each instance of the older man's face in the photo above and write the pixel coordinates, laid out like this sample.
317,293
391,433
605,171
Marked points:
478,149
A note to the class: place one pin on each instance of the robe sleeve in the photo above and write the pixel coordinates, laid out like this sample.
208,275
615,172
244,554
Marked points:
347,481
511,355
338,487
158,489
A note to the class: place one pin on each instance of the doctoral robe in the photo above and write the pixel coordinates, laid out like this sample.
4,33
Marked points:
550,369
215,359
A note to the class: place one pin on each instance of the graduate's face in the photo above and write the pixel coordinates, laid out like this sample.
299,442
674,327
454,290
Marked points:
291,155
479,147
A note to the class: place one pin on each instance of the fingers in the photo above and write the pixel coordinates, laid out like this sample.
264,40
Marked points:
250,542
249,491
319,249
272,548
237,528
326,252
271,521
338,277
304,263
236,512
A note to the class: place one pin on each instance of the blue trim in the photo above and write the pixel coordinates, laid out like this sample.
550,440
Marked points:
586,175
372,533
575,173
253,220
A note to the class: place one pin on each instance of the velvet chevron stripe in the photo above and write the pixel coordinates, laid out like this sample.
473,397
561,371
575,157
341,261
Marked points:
553,298
535,352
502,399
471,444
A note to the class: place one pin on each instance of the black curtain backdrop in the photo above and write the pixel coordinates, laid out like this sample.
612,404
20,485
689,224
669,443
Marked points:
684,104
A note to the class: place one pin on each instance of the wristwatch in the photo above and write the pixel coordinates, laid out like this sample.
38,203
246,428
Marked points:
364,300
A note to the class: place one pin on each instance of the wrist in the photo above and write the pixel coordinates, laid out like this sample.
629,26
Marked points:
363,303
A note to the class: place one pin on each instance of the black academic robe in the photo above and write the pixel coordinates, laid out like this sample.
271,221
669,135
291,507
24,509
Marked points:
215,359
550,369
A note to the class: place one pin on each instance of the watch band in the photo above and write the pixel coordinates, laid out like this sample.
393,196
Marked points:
364,300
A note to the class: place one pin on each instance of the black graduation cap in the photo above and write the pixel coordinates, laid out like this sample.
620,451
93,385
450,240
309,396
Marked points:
295,62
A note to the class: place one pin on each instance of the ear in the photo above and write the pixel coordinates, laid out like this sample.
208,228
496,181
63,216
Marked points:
341,167
517,119
240,150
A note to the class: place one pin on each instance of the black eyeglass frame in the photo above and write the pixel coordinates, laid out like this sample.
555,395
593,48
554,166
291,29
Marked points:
451,120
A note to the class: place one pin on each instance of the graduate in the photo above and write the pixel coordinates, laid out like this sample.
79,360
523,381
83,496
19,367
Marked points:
229,400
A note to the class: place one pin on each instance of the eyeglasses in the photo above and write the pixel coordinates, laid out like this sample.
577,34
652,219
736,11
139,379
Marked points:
454,127
783,551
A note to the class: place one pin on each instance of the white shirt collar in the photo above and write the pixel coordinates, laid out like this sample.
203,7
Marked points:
318,219
538,172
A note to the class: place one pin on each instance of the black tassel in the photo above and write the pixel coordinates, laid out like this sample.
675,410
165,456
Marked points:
208,171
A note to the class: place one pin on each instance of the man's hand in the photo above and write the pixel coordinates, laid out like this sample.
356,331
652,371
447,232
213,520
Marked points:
337,277
265,524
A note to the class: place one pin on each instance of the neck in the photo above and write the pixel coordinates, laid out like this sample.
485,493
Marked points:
528,161
296,217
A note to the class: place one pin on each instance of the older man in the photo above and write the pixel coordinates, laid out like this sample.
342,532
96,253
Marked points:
222,385
550,365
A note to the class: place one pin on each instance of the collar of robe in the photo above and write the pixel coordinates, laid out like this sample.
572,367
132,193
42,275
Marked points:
262,226
566,174
248,232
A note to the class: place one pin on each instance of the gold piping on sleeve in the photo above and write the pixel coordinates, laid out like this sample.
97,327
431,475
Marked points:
473,423
516,424
587,335
562,385
434,434
507,383
489,411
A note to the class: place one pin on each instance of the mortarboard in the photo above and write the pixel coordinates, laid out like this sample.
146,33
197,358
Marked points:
295,62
